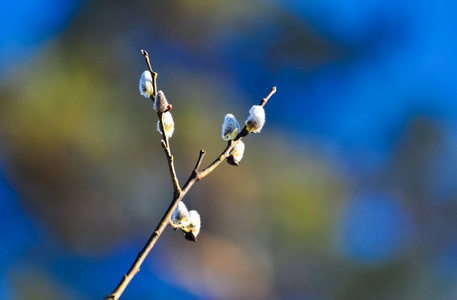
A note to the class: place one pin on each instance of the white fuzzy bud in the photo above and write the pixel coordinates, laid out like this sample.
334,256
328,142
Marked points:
146,88
161,103
180,215
230,128
168,124
236,155
256,119
193,228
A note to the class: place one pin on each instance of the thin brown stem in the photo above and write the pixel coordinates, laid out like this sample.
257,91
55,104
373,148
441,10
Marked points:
166,219
135,268
170,160
218,160
200,160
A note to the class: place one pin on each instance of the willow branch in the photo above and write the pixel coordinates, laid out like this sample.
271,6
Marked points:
178,193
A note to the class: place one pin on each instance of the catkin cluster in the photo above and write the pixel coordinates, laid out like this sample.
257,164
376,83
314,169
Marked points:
231,129
188,221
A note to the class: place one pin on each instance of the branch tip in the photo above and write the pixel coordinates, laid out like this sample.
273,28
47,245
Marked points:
148,63
264,100
199,161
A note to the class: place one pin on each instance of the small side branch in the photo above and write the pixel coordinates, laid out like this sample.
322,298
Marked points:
200,160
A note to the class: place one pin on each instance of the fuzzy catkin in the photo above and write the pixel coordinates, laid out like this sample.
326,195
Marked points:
238,152
168,124
180,215
194,222
160,103
256,119
230,127
145,86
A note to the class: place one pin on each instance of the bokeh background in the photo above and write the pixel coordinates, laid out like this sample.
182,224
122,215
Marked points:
349,192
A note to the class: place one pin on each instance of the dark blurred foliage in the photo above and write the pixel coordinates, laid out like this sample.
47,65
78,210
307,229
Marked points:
349,192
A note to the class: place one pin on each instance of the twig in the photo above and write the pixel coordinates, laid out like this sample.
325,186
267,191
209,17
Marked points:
265,100
178,194
200,160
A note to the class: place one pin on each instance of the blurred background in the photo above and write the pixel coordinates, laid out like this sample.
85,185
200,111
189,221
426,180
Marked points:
349,192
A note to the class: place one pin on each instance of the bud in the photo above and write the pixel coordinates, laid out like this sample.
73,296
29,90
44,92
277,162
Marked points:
236,155
230,128
256,119
180,215
161,103
194,226
168,124
146,88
